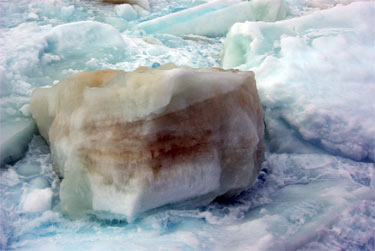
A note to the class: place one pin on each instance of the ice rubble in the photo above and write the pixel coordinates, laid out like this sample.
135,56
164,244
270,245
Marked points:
316,78
215,18
275,213
129,142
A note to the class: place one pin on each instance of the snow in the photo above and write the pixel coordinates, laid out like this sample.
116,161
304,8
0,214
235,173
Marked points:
38,200
315,76
326,100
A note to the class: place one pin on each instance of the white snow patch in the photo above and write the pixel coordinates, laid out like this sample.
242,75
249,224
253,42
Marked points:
38,200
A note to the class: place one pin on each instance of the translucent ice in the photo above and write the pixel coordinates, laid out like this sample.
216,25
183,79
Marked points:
215,18
73,45
126,11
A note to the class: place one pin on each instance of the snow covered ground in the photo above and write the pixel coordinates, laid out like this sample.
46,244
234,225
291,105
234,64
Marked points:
315,72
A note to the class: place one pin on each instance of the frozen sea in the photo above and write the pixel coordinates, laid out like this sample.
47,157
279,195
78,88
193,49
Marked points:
314,62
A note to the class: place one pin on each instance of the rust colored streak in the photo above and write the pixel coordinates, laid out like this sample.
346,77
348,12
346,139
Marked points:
193,131
172,147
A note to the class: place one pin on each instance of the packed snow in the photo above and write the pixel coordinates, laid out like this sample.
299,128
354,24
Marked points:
313,62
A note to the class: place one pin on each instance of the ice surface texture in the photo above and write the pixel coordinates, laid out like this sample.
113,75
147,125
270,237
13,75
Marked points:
299,201
316,78
215,18
129,142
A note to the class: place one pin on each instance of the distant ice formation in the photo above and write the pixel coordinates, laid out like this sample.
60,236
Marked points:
126,11
141,3
128,142
215,18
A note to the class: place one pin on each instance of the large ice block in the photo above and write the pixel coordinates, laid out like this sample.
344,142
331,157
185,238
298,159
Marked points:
127,142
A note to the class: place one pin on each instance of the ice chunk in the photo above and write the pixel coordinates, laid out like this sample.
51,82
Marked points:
215,18
126,11
40,183
73,45
38,200
127,142
315,76
14,138
141,3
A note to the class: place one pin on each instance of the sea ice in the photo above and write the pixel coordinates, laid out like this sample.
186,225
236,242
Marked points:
215,17
76,45
126,11
315,76
275,213
300,201
128,142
